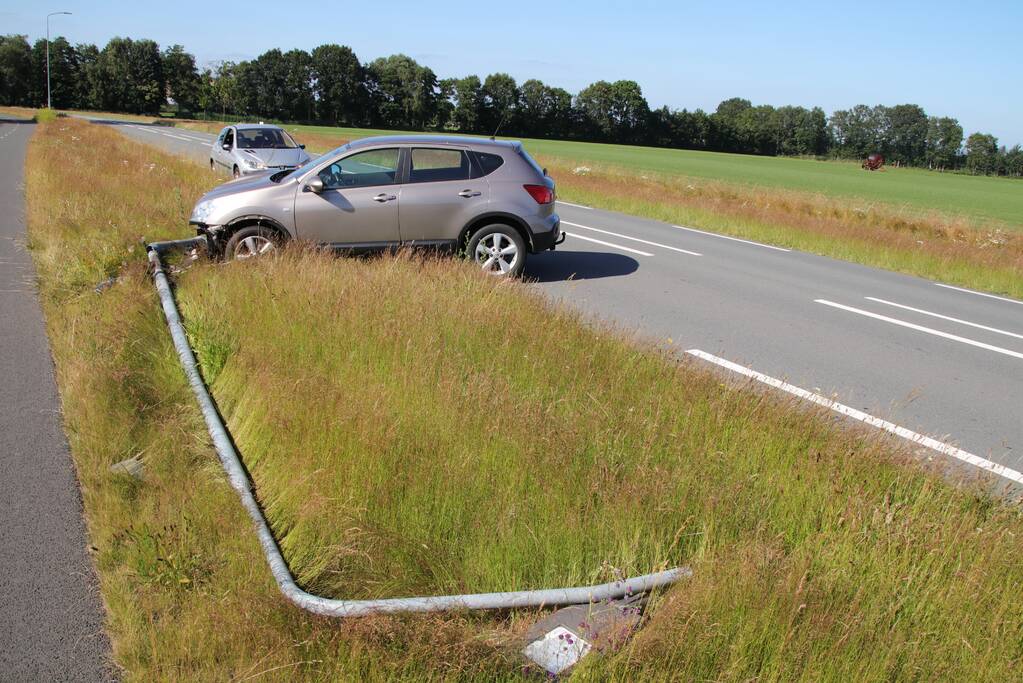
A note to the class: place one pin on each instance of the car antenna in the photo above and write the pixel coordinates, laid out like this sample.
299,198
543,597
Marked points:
500,123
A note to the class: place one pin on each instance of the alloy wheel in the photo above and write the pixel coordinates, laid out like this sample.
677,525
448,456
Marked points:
256,245
496,253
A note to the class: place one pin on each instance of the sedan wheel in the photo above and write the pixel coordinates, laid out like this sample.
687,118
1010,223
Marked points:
236,173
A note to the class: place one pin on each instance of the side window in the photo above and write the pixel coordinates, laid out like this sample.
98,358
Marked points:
229,137
488,163
220,138
372,167
430,165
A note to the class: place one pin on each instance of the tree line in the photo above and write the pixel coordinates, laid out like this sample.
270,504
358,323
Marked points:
331,85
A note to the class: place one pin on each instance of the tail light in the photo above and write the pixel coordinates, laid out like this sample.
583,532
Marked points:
541,193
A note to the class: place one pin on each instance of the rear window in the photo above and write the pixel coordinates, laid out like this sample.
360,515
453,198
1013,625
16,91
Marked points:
431,165
488,163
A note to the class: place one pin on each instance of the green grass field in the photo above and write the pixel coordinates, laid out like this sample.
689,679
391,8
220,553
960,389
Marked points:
977,197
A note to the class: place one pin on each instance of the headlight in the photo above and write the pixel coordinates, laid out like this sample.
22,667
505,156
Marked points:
253,163
201,212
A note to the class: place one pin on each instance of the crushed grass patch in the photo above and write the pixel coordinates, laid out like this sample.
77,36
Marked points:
385,404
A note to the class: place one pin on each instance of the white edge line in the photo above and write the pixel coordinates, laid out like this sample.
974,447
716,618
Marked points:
608,244
578,206
729,237
945,317
990,296
634,239
921,328
891,427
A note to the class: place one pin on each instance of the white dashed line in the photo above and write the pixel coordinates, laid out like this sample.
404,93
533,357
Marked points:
921,328
945,317
608,244
634,239
733,239
891,427
578,206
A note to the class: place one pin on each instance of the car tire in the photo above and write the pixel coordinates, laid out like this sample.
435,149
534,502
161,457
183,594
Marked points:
213,167
498,249
253,241
236,172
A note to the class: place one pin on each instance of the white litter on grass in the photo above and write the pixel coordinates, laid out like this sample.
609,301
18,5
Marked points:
558,650
581,170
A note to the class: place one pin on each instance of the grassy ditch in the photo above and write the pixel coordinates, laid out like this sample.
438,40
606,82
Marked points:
414,427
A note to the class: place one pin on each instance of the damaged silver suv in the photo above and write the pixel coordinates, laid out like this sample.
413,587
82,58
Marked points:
488,199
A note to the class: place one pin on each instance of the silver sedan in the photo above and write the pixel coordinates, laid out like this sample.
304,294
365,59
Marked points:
244,149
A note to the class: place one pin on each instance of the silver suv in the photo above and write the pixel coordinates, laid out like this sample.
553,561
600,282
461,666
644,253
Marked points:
248,148
486,198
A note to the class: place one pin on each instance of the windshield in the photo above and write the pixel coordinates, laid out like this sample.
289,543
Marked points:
264,138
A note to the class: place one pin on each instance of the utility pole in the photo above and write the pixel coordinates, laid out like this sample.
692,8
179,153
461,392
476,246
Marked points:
49,103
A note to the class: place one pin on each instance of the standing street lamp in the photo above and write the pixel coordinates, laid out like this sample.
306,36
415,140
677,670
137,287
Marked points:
49,104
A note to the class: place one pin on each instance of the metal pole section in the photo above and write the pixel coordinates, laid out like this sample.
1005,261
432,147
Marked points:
332,607
49,103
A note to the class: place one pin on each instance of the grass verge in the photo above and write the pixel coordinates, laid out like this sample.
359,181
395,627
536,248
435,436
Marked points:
414,427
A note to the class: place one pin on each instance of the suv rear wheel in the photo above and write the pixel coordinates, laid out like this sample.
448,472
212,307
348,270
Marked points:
498,249
252,241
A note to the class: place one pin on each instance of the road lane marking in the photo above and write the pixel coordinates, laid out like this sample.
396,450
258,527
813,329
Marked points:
729,237
178,137
578,206
921,328
990,296
634,239
891,427
946,317
608,244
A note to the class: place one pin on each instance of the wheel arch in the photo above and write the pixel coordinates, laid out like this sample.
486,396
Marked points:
489,219
256,220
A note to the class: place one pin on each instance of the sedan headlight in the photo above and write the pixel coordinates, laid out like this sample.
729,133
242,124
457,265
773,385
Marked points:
253,163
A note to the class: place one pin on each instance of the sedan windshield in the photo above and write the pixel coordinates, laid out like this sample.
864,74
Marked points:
264,138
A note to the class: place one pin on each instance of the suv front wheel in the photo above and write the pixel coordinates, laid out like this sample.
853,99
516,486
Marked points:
249,242
498,249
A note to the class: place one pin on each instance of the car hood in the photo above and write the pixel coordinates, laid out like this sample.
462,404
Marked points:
276,157
240,185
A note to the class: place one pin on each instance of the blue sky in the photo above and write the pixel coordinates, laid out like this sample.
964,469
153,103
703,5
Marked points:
953,58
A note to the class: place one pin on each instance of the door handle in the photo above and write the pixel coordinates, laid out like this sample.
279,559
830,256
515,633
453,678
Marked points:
469,193
384,198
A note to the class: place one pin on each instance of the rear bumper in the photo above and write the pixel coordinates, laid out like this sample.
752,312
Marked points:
548,239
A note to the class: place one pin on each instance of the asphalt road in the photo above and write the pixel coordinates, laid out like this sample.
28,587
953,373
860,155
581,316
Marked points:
939,361
51,615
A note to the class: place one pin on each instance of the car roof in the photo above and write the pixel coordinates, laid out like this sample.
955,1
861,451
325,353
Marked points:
435,140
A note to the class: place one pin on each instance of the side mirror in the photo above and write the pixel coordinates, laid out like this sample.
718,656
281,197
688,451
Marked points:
226,146
314,184
301,146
